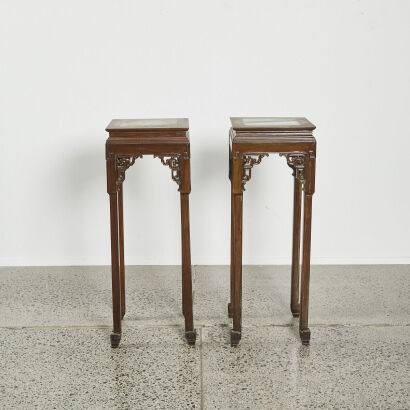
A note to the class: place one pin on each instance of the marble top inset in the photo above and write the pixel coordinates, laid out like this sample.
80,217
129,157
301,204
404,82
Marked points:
271,123
148,124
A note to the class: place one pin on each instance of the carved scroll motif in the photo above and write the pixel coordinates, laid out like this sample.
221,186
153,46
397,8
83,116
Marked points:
172,161
123,163
296,161
248,161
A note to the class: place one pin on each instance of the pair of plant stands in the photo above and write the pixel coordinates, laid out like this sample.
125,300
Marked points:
250,140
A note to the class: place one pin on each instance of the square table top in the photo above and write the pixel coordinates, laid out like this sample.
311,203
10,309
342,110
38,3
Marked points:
271,124
150,124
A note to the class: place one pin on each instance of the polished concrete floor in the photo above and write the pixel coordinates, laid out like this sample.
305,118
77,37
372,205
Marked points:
55,353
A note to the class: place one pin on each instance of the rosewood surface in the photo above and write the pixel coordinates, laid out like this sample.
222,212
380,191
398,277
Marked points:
250,140
168,140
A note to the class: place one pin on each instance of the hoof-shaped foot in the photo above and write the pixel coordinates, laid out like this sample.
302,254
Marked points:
230,313
235,338
115,339
304,336
190,337
295,309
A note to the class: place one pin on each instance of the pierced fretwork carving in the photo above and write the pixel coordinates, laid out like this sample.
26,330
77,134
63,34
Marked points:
172,161
296,161
123,163
248,161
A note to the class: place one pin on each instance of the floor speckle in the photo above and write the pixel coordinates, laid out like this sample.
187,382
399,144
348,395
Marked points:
55,353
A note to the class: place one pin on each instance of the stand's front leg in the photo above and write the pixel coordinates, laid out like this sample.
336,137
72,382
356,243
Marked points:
184,178
230,304
121,245
190,333
304,330
116,282
238,178
294,292
309,188
232,266
237,271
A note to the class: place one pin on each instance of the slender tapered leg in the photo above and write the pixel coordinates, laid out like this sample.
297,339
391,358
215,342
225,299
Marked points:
185,258
116,281
230,305
190,332
121,245
237,293
304,330
297,205
309,189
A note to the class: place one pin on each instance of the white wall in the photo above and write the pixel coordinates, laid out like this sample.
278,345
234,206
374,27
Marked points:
68,67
